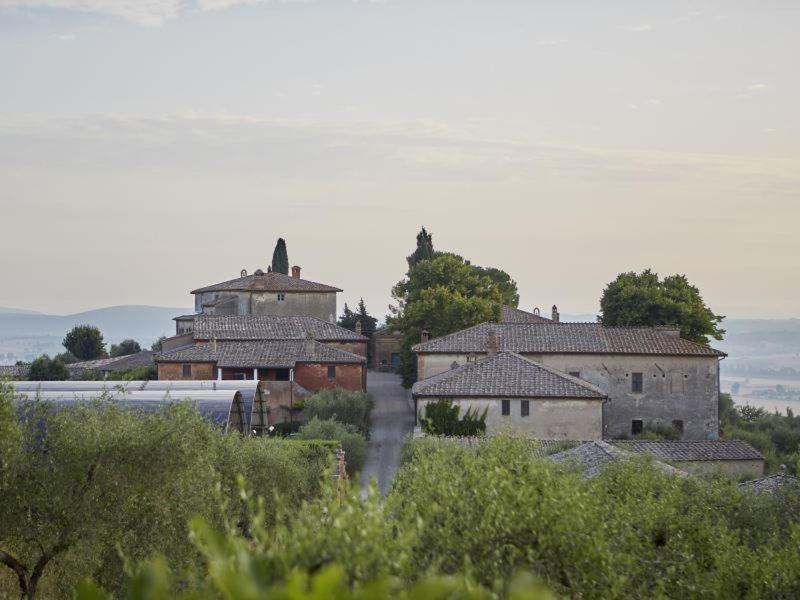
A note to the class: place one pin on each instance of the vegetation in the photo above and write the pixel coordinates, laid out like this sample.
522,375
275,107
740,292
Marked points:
280,258
156,345
352,442
442,294
349,319
465,522
85,342
443,418
79,483
645,299
776,436
349,408
125,347
45,368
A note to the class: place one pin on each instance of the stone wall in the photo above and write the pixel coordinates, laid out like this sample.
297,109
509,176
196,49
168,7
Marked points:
385,345
684,388
359,348
551,419
319,304
314,376
174,371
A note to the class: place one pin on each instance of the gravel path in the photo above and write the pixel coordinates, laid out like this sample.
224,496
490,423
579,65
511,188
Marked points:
392,421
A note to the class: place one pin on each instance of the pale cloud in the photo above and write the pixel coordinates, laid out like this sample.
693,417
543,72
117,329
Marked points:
757,87
551,42
67,37
640,28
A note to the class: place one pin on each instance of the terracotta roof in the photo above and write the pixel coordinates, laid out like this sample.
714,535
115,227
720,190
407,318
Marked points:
509,314
567,338
593,456
117,363
268,282
770,484
279,354
263,327
506,375
701,450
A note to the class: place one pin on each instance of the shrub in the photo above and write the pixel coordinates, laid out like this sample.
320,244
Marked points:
45,368
353,443
442,418
347,407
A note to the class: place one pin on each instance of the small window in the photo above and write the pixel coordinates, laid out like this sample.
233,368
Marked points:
637,425
332,372
637,383
575,374
187,370
525,408
281,297
505,407
239,376
678,425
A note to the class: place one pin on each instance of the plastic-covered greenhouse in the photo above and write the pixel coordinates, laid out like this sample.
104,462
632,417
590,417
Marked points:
224,408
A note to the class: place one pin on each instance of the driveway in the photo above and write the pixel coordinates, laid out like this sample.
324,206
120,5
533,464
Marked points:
392,421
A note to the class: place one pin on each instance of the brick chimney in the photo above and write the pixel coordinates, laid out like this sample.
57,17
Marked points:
296,272
311,343
491,342
555,316
358,327
424,336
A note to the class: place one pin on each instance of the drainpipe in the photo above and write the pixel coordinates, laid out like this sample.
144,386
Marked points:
291,395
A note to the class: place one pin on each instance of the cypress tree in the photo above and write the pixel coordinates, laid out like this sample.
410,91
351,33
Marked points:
280,258
424,250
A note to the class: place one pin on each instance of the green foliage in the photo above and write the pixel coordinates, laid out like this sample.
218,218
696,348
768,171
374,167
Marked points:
659,431
78,482
776,436
125,348
156,346
443,418
85,342
645,299
146,373
280,258
361,315
45,368
341,405
353,443
424,249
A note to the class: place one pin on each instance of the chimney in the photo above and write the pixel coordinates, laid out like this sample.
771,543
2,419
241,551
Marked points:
358,327
424,336
555,317
311,345
296,272
491,342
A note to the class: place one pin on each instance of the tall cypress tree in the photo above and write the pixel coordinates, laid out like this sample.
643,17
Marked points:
424,250
280,258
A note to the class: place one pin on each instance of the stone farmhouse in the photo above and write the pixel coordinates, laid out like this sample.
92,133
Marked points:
268,293
649,375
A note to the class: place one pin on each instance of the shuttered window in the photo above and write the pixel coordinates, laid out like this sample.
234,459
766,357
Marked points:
637,383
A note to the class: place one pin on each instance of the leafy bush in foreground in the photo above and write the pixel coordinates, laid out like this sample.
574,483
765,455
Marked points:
353,443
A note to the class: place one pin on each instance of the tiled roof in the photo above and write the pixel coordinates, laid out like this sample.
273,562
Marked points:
267,282
184,317
280,354
593,456
567,338
509,314
15,370
770,484
117,363
701,450
263,327
506,375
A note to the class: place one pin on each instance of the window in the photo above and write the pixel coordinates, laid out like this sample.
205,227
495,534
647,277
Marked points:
187,370
575,374
678,425
505,407
525,408
636,426
637,383
240,376
281,297
332,372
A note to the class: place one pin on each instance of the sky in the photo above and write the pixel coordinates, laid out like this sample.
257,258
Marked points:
150,147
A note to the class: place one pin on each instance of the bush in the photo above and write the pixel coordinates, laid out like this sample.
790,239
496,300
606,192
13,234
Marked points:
353,443
442,418
347,407
45,368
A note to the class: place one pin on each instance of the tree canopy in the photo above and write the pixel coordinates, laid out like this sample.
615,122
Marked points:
280,258
85,342
125,347
424,249
45,368
645,299
361,315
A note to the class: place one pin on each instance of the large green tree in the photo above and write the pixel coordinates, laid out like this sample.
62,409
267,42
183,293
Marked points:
424,249
645,299
444,294
125,347
45,368
280,258
85,342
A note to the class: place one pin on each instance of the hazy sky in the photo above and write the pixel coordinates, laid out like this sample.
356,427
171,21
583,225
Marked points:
148,147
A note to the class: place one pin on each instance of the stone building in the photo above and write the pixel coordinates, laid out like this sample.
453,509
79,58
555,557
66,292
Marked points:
266,293
650,375
509,314
519,396
385,355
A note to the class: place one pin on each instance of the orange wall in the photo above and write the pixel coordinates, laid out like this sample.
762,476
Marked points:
174,371
314,377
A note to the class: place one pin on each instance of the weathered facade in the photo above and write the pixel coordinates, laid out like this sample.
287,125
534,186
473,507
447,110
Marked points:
385,355
267,293
519,396
651,375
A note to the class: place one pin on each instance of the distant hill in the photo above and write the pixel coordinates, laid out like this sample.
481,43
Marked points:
5,310
26,334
